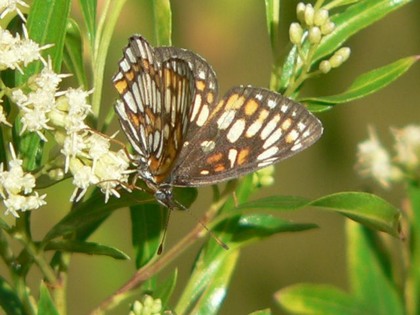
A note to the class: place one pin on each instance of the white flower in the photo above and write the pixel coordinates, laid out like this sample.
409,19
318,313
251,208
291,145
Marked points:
374,161
16,188
7,6
3,119
407,146
15,52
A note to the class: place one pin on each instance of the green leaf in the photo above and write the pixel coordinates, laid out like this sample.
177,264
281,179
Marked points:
207,286
46,305
9,301
355,18
272,12
162,21
364,208
254,227
47,25
413,271
73,53
367,277
310,299
89,214
147,222
89,248
265,311
164,291
368,83
89,16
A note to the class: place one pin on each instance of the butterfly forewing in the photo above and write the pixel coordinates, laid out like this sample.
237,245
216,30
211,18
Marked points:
156,98
249,129
205,84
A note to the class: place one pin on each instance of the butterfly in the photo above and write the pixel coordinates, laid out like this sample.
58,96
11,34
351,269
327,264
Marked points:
183,135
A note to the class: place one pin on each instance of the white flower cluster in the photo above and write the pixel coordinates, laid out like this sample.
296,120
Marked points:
374,161
148,307
42,107
16,188
16,52
313,25
10,6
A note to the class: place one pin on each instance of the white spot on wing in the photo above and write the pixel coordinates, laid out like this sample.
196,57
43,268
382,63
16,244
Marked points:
207,146
196,106
226,119
268,153
232,157
271,104
202,75
253,129
275,137
284,108
236,131
269,128
204,114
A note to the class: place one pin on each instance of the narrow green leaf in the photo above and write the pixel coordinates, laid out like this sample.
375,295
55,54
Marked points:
368,83
73,53
272,12
265,311
284,203
310,299
89,214
355,18
46,305
47,25
412,289
148,222
89,15
254,227
162,21
9,301
207,288
74,246
364,208
164,291
367,277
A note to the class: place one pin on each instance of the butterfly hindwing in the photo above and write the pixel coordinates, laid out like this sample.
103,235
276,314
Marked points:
249,129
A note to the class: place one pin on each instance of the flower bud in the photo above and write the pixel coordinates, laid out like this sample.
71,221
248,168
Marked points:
309,14
300,12
295,33
325,66
321,17
344,52
336,60
314,35
327,28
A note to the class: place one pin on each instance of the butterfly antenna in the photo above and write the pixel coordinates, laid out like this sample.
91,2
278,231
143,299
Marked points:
218,240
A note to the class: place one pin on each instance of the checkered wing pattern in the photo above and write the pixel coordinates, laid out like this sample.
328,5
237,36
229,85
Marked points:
156,97
184,136
249,129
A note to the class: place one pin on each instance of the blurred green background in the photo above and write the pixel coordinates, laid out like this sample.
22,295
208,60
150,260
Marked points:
232,36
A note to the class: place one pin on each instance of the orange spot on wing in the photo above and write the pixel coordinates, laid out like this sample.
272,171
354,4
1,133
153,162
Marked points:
200,85
250,107
219,168
242,156
212,159
121,86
